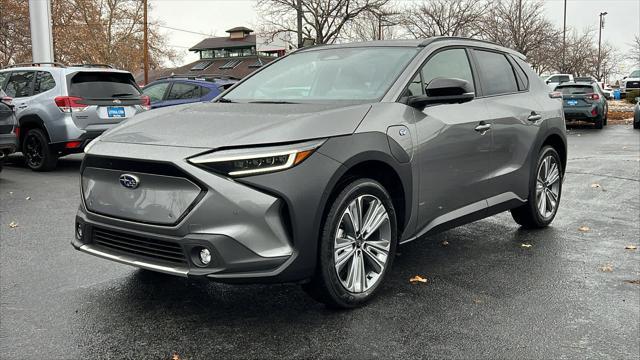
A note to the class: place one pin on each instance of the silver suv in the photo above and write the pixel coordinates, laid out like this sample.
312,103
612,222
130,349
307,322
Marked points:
61,108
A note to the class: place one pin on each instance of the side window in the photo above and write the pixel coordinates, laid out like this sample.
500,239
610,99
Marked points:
180,91
451,63
496,73
156,92
44,82
3,78
414,88
19,84
563,78
204,91
521,76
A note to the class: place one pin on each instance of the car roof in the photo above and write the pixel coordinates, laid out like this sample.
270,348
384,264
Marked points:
418,43
574,83
205,83
65,69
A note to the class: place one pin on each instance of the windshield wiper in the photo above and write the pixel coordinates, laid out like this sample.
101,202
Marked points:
271,102
223,100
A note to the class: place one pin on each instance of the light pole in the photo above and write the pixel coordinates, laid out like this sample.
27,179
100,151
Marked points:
602,14
145,46
564,37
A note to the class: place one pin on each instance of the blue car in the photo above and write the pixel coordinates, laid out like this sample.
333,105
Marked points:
175,90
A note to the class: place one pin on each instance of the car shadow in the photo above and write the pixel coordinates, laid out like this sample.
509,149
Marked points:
66,164
484,260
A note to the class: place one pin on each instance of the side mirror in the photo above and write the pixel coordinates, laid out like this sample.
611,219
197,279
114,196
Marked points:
443,91
548,81
624,77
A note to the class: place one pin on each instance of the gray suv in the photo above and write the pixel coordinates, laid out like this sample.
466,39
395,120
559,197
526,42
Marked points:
60,109
316,167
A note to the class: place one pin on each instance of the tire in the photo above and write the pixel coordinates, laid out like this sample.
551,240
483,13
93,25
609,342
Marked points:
530,215
636,125
331,285
37,153
599,123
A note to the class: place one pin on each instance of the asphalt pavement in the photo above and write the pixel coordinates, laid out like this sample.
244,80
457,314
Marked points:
571,294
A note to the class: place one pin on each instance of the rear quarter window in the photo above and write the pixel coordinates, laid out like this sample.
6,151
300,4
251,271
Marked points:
496,73
103,85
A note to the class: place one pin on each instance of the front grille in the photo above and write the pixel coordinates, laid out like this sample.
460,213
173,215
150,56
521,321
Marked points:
139,246
633,84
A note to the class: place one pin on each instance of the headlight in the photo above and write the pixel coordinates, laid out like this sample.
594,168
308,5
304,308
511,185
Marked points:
252,161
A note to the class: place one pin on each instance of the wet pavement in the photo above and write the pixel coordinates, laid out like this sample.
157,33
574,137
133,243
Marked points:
487,296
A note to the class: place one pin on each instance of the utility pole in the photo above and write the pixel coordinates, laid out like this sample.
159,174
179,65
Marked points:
602,14
564,38
145,46
41,37
299,19
519,32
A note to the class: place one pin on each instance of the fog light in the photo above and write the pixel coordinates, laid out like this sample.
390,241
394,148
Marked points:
205,256
79,231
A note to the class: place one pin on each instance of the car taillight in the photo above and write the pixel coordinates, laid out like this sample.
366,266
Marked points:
7,101
594,111
593,96
146,102
555,95
16,130
69,104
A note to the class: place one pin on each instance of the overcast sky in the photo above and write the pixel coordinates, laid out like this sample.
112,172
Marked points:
213,17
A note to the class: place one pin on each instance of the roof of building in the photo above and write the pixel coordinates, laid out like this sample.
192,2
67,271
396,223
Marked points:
224,43
244,66
239,28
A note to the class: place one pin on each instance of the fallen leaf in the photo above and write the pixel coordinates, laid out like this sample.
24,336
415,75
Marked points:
595,185
175,356
584,228
417,279
13,224
28,198
606,268
445,243
630,247
526,245
477,301
633,282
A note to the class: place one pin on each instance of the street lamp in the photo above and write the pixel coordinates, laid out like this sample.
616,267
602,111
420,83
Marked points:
602,14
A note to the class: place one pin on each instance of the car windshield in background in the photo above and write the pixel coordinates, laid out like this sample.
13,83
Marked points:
574,90
347,74
635,74
103,85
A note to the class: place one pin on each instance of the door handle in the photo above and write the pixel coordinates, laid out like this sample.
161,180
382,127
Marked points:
482,128
534,117
22,106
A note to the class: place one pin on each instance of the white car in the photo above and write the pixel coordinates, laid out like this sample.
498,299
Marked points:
556,79
630,82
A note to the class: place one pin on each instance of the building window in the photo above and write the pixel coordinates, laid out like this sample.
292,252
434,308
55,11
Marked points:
230,64
220,53
206,54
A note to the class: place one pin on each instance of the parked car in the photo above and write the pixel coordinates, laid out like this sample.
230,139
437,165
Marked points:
630,83
636,114
606,90
61,108
556,79
584,101
176,90
314,168
8,128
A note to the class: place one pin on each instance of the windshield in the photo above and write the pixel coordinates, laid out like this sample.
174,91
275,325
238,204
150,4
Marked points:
575,89
356,74
635,74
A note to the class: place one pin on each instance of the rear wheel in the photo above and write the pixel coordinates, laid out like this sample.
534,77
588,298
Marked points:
599,123
36,151
636,125
545,189
357,246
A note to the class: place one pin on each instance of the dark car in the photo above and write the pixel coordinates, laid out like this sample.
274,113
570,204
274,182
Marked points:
9,130
636,114
317,166
176,90
585,102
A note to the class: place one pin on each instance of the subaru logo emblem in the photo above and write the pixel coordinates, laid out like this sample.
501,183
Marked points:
129,181
116,101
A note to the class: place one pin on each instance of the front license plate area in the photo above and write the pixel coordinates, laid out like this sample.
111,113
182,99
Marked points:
115,112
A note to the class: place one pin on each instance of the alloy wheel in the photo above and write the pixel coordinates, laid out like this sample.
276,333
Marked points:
34,151
362,243
548,187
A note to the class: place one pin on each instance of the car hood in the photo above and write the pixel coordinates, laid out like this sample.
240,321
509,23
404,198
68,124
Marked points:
215,125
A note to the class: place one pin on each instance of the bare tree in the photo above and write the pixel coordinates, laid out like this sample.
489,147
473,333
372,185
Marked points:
444,18
322,20
634,54
378,24
521,25
15,43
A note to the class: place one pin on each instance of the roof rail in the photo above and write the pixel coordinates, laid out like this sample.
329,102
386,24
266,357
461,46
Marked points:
93,65
207,77
442,38
36,64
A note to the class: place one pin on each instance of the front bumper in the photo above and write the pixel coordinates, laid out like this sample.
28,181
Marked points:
258,229
8,144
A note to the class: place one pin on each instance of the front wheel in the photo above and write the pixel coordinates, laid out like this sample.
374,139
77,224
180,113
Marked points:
357,246
545,189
